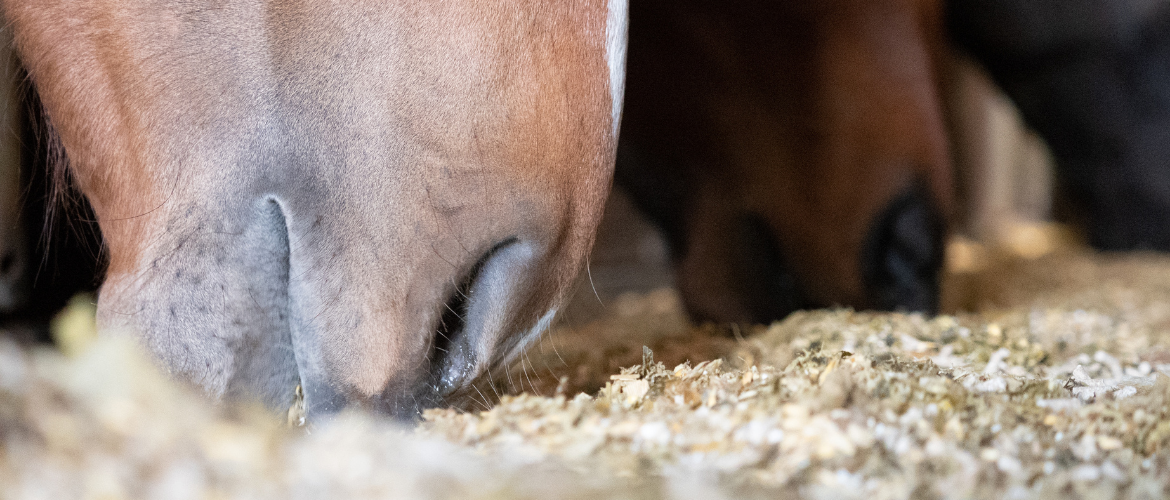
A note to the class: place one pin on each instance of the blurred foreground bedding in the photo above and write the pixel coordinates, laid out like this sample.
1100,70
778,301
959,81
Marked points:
1058,386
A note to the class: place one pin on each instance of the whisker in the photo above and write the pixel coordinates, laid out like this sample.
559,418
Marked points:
589,273
526,375
486,405
491,379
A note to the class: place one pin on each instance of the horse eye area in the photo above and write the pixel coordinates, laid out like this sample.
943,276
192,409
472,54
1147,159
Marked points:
453,358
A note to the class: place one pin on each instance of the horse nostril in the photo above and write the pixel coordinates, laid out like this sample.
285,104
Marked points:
7,263
903,254
452,356
767,284
448,352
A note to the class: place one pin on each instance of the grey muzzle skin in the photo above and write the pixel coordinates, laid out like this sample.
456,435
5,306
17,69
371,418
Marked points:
258,305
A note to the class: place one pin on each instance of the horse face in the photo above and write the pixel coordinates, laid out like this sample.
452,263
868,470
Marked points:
794,152
377,201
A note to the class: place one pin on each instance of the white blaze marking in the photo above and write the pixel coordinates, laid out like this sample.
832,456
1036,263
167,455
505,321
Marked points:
616,32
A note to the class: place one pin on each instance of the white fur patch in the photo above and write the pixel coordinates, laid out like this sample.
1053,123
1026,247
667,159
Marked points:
616,32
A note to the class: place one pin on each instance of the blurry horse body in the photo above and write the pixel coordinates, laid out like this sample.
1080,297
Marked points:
378,202
1091,77
794,152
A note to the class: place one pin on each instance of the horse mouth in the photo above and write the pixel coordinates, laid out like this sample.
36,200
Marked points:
454,358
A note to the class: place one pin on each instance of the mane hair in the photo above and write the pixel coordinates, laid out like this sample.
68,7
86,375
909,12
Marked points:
69,240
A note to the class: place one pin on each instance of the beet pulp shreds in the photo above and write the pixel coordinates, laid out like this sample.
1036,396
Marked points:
1056,390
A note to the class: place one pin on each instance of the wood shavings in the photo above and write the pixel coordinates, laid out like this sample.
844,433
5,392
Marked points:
1057,393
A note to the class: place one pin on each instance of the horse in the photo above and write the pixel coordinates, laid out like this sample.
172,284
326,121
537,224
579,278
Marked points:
1091,78
375,203
794,153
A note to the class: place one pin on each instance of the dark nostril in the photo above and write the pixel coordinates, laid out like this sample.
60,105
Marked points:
447,348
914,232
7,263
767,284
903,254
452,357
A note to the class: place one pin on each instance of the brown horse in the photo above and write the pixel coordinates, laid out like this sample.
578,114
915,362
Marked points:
378,201
794,152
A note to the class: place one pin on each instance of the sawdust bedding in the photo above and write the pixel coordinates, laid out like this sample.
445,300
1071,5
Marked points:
1057,387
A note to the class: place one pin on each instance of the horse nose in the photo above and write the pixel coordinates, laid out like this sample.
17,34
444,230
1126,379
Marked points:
903,254
503,293
469,307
